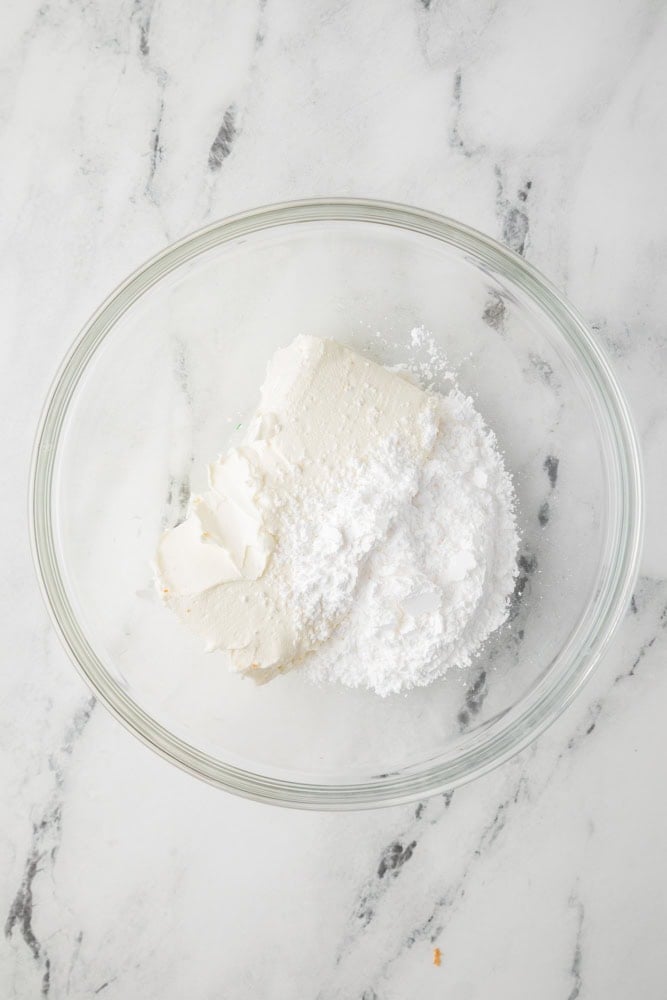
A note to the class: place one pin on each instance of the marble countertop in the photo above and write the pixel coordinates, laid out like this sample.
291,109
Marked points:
125,125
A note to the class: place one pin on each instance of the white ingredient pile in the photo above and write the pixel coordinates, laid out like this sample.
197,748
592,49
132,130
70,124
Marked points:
436,583
379,539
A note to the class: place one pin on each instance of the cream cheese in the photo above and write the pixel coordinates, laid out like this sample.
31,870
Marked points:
237,569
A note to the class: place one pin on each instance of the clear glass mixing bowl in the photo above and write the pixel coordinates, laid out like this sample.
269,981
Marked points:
154,387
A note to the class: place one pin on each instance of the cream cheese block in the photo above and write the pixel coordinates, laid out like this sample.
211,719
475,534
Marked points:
237,570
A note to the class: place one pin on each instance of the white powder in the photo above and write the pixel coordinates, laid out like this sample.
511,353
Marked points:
396,570
329,530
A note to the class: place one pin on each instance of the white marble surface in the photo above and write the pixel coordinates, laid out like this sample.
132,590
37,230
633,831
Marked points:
125,124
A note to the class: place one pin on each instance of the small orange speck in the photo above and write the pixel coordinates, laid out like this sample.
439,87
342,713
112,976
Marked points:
188,610
437,956
165,590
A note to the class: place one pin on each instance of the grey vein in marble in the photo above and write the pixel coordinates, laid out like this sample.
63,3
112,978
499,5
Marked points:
224,140
46,834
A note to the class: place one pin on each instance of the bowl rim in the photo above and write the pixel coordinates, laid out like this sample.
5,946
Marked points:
611,601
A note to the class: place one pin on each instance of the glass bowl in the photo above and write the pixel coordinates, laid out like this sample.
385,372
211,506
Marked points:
155,386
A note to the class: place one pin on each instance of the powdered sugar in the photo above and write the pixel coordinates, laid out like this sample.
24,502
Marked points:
328,531
414,564
436,584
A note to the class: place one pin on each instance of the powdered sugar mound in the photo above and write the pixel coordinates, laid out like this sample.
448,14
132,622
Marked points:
328,533
431,581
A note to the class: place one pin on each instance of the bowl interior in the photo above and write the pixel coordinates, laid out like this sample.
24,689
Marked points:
163,390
